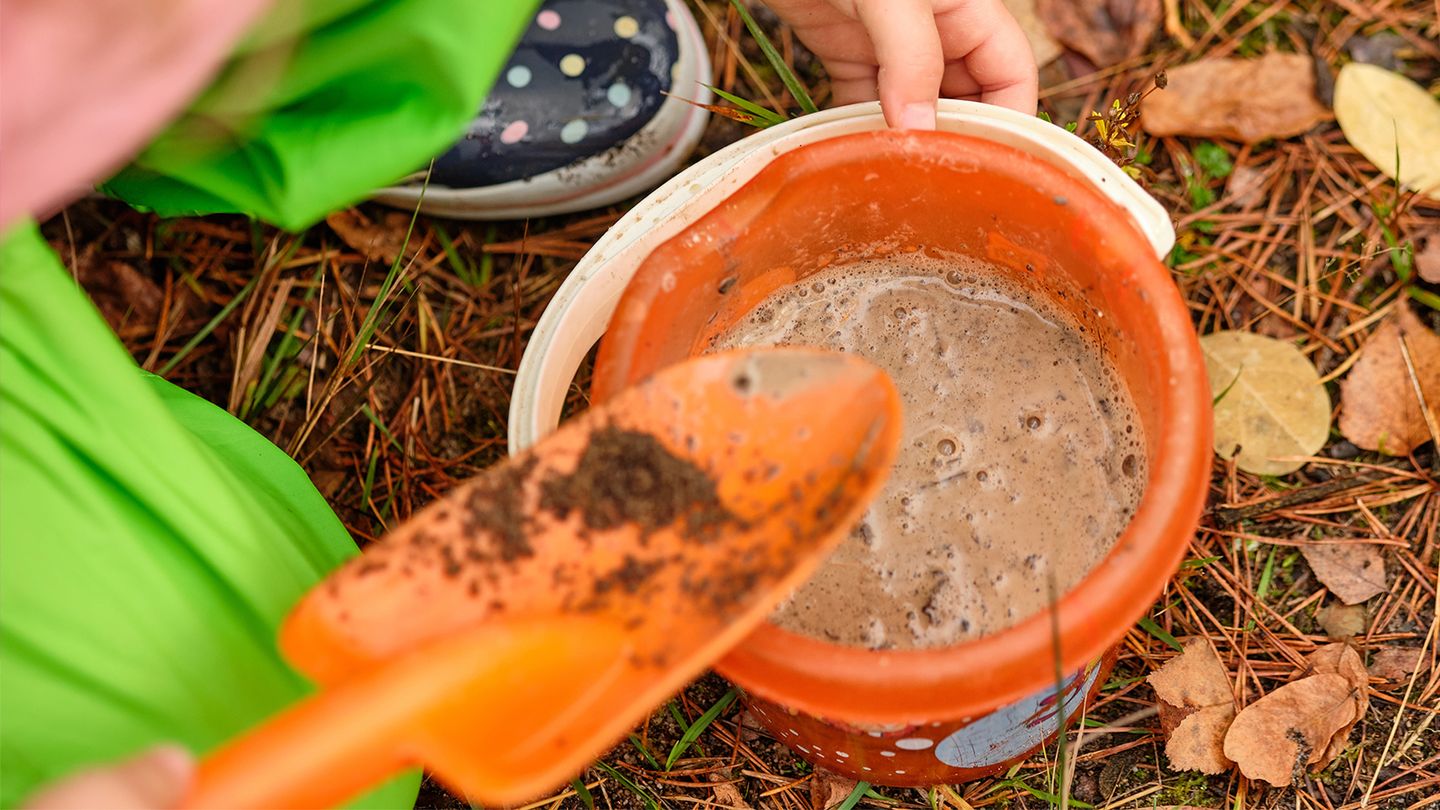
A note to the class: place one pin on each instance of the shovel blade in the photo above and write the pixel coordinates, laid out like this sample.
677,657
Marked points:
676,515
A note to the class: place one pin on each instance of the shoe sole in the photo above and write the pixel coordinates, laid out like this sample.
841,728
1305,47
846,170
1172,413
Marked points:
640,163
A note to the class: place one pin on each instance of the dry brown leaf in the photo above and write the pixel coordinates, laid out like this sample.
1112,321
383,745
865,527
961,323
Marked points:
1378,406
1381,49
1427,257
1353,572
1342,621
377,241
1394,663
1194,678
1246,186
1271,404
1293,728
1337,658
1196,707
829,789
727,795
1245,100
1342,659
1198,742
1383,113
1044,46
1106,32
125,296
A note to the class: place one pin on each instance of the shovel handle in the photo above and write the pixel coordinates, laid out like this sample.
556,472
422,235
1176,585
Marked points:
350,736
318,753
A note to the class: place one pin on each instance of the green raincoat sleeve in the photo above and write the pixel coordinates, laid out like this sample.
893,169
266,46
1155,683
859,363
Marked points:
150,543
325,102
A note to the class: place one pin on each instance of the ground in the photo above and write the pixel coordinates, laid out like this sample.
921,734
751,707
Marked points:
390,393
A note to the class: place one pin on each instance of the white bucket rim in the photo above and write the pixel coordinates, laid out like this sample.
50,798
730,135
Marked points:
577,316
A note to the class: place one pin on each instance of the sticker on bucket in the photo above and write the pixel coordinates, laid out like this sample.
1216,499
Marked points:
1012,730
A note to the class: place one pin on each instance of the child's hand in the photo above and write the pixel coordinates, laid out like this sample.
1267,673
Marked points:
908,53
155,780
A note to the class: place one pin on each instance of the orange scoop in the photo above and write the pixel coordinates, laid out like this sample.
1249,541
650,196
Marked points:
513,630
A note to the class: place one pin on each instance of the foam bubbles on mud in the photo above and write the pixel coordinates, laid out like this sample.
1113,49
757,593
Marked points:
1022,456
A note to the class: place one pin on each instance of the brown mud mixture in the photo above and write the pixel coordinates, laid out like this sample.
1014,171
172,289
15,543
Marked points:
1022,458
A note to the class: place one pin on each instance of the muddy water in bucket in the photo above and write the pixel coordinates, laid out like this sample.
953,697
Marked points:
1021,463
931,711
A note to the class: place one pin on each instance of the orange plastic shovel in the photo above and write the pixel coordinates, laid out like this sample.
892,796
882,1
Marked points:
513,630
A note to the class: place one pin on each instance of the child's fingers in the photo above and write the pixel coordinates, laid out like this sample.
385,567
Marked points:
907,48
154,780
995,52
851,82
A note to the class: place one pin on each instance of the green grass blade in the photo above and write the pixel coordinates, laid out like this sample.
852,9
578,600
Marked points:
487,260
858,793
584,793
1159,632
375,420
677,716
644,752
369,480
1216,400
1198,562
267,391
698,727
624,781
787,76
209,327
1060,715
1048,797
1425,297
769,116
464,269
382,299
1262,589
876,796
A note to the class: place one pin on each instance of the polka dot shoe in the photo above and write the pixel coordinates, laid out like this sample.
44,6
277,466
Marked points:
580,116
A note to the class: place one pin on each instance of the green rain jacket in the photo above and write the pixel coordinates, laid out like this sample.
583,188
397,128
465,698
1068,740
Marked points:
151,543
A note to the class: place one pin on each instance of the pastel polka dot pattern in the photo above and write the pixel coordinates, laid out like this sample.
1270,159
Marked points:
572,64
518,76
586,76
574,131
514,132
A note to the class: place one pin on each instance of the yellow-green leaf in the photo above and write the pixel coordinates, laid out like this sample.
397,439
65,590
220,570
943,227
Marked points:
1273,405
1389,118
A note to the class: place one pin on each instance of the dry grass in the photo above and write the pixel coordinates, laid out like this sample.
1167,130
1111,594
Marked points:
277,327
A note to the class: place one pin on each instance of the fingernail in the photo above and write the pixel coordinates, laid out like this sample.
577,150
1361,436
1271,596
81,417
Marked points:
918,116
173,761
159,777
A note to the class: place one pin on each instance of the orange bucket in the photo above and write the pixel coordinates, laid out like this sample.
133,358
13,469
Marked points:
923,717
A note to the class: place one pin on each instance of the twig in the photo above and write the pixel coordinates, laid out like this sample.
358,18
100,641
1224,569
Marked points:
1230,515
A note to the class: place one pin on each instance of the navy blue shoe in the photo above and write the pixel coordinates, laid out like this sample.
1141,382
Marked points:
591,109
